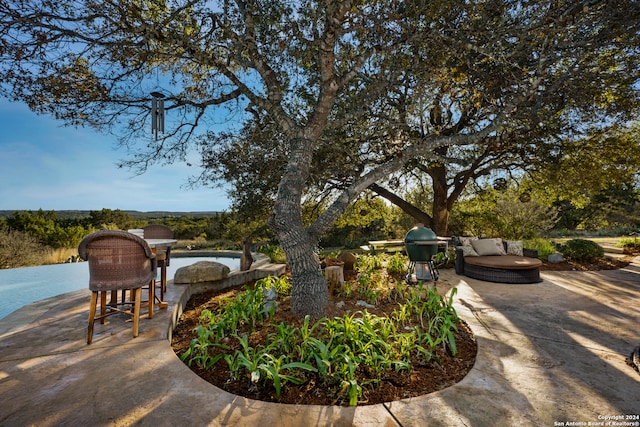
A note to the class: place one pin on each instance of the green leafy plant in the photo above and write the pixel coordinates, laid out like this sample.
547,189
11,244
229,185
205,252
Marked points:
629,242
198,351
397,263
581,250
274,369
340,351
281,284
543,246
368,263
275,253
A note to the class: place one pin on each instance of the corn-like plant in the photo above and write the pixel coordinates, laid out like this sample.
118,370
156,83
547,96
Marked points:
327,356
349,384
368,263
397,263
281,284
337,350
274,367
198,351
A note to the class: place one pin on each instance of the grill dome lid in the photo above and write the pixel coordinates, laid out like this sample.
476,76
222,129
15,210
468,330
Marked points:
420,233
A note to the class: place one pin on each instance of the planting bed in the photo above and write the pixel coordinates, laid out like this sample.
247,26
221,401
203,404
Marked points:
443,370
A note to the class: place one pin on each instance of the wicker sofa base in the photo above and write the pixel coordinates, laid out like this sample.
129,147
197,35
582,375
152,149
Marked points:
500,275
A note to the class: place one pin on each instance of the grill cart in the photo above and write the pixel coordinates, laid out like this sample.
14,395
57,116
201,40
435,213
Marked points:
422,245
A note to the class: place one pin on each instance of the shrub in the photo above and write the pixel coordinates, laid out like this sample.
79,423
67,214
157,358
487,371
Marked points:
19,249
275,253
581,250
631,243
543,246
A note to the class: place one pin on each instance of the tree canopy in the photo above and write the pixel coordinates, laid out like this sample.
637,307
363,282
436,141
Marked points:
372,84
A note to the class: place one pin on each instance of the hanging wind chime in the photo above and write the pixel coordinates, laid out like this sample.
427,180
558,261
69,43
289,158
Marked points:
157,113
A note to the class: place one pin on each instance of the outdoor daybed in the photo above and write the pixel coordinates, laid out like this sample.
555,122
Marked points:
494,260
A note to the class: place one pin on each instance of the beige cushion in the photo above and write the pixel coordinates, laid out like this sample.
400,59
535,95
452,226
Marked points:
467,250
466,241
514,247
486,247
505,262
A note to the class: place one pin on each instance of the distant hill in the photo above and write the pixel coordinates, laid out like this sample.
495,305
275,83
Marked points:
135,214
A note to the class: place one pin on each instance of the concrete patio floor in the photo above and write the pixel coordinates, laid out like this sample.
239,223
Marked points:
550,353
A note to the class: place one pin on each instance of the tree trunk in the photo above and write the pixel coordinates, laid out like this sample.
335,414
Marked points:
309,288
420,216
246,259
440,214
310,293
440,223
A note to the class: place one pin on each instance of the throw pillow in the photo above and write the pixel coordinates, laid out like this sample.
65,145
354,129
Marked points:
514,247
468,250
486,247
466,241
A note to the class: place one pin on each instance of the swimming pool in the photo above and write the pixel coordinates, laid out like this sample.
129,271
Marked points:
21,286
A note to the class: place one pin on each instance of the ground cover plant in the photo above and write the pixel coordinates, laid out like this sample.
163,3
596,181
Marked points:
381,340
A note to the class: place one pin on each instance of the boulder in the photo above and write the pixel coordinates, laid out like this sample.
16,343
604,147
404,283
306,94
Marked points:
555,258
348,259
201,271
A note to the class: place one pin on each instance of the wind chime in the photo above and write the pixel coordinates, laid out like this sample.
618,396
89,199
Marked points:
157,113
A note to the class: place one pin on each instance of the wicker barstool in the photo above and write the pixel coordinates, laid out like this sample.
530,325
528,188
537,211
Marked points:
163,254
117,261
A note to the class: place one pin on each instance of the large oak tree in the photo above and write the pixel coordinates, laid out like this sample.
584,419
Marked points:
321,72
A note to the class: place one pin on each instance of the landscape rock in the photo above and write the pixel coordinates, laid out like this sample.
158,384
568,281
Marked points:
364,304
269,302
201,271
348,259
555,258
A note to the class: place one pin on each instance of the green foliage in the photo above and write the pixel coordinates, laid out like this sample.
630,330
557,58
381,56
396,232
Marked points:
365,219
581,250
281,284
337,349
516,219
542,245
506,214
19,249
368,263
112,219
67,232
48,229
592,180
397,263
629,242
275,253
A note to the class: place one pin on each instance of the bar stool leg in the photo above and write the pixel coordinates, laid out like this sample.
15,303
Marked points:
92,315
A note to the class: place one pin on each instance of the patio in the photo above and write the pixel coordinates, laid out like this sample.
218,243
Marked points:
551,352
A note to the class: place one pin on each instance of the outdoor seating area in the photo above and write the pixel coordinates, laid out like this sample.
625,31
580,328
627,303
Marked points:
118,261
163,252
121,261
495,260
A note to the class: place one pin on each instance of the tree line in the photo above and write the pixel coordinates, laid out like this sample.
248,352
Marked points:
500,210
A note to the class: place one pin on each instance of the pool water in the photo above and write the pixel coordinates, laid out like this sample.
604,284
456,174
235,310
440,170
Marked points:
21,286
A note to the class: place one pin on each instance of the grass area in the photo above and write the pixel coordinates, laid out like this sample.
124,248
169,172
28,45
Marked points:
59,255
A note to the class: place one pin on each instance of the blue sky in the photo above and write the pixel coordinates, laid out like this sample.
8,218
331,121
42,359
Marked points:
44,165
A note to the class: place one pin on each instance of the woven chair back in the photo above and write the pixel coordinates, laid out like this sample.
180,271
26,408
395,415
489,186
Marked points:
117,260
157,231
